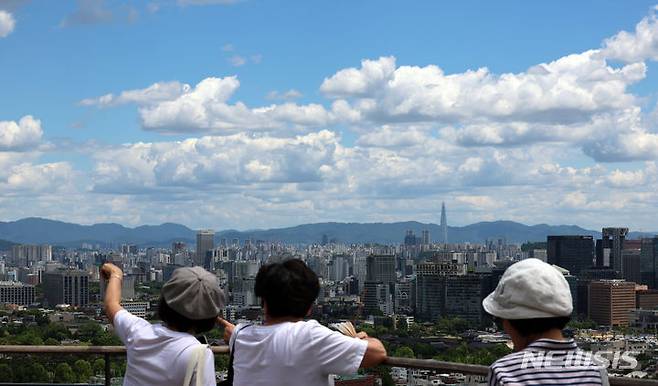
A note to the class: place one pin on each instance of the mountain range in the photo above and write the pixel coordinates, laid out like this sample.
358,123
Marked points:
40,230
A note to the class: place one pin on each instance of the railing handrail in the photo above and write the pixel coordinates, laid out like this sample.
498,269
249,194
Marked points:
423,364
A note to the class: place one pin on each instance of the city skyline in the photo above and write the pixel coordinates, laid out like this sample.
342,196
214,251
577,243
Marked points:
113,115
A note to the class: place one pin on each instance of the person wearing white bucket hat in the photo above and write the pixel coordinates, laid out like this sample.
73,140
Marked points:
533,300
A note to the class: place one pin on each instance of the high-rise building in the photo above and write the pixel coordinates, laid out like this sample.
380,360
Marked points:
631,260
614,238
26,255
205,241
425,235
127,287
430,296
381,268
338,268
405,296
610,302
585,277
649,262
573,253
431,287
464,295
66,286
12,292
409,238
380,279
444,224
377,298
647,299
178,247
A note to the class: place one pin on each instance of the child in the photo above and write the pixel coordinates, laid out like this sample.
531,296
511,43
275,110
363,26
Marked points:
534,302
168,353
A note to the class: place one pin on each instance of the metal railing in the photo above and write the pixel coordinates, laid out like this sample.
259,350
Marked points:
425,364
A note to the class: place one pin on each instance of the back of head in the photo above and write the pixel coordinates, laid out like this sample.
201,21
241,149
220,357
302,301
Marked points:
191,300
533,296
288,288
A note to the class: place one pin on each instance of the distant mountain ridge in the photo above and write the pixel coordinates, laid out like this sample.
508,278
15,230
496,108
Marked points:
39,230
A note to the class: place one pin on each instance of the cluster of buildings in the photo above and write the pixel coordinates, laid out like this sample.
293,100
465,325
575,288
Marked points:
614,281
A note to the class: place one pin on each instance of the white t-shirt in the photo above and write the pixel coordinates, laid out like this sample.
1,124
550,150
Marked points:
293,353
156,354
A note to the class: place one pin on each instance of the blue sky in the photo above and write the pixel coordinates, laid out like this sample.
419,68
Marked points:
245,114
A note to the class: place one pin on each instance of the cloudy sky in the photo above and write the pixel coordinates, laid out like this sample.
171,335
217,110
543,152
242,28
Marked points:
257,114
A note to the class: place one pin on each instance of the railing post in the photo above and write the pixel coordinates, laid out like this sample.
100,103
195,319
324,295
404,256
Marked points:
108,370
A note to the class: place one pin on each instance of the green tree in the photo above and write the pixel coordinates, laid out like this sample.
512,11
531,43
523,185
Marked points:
99,366
56,331
26,372
51,342
89,331
83,369
221,362
64,373
404,352
29,337
6,373
106,338
452,325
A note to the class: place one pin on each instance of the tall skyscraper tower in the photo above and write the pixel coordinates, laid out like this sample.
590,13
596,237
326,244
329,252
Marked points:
614,238
444,223
573,253
205,241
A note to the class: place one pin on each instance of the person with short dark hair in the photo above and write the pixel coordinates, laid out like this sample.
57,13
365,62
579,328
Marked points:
533,303
168,353
287,350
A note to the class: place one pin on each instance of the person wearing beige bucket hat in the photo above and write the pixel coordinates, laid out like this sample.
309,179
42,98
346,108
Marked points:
168,353
534,303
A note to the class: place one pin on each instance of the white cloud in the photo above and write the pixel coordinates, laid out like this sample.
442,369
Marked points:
635,46
7,23
391,137
622,138
237,60
479,202
570,89
89,12
21,135
205,109
286,95
229,161
28,178
157,92
575,200
532,146
174,107
363,82
632,179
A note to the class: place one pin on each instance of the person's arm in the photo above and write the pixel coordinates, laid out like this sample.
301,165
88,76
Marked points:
113,278
375,352
228,328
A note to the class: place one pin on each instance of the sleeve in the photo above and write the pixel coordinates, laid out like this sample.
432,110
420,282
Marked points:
604,377
492,378
125,325
335,352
